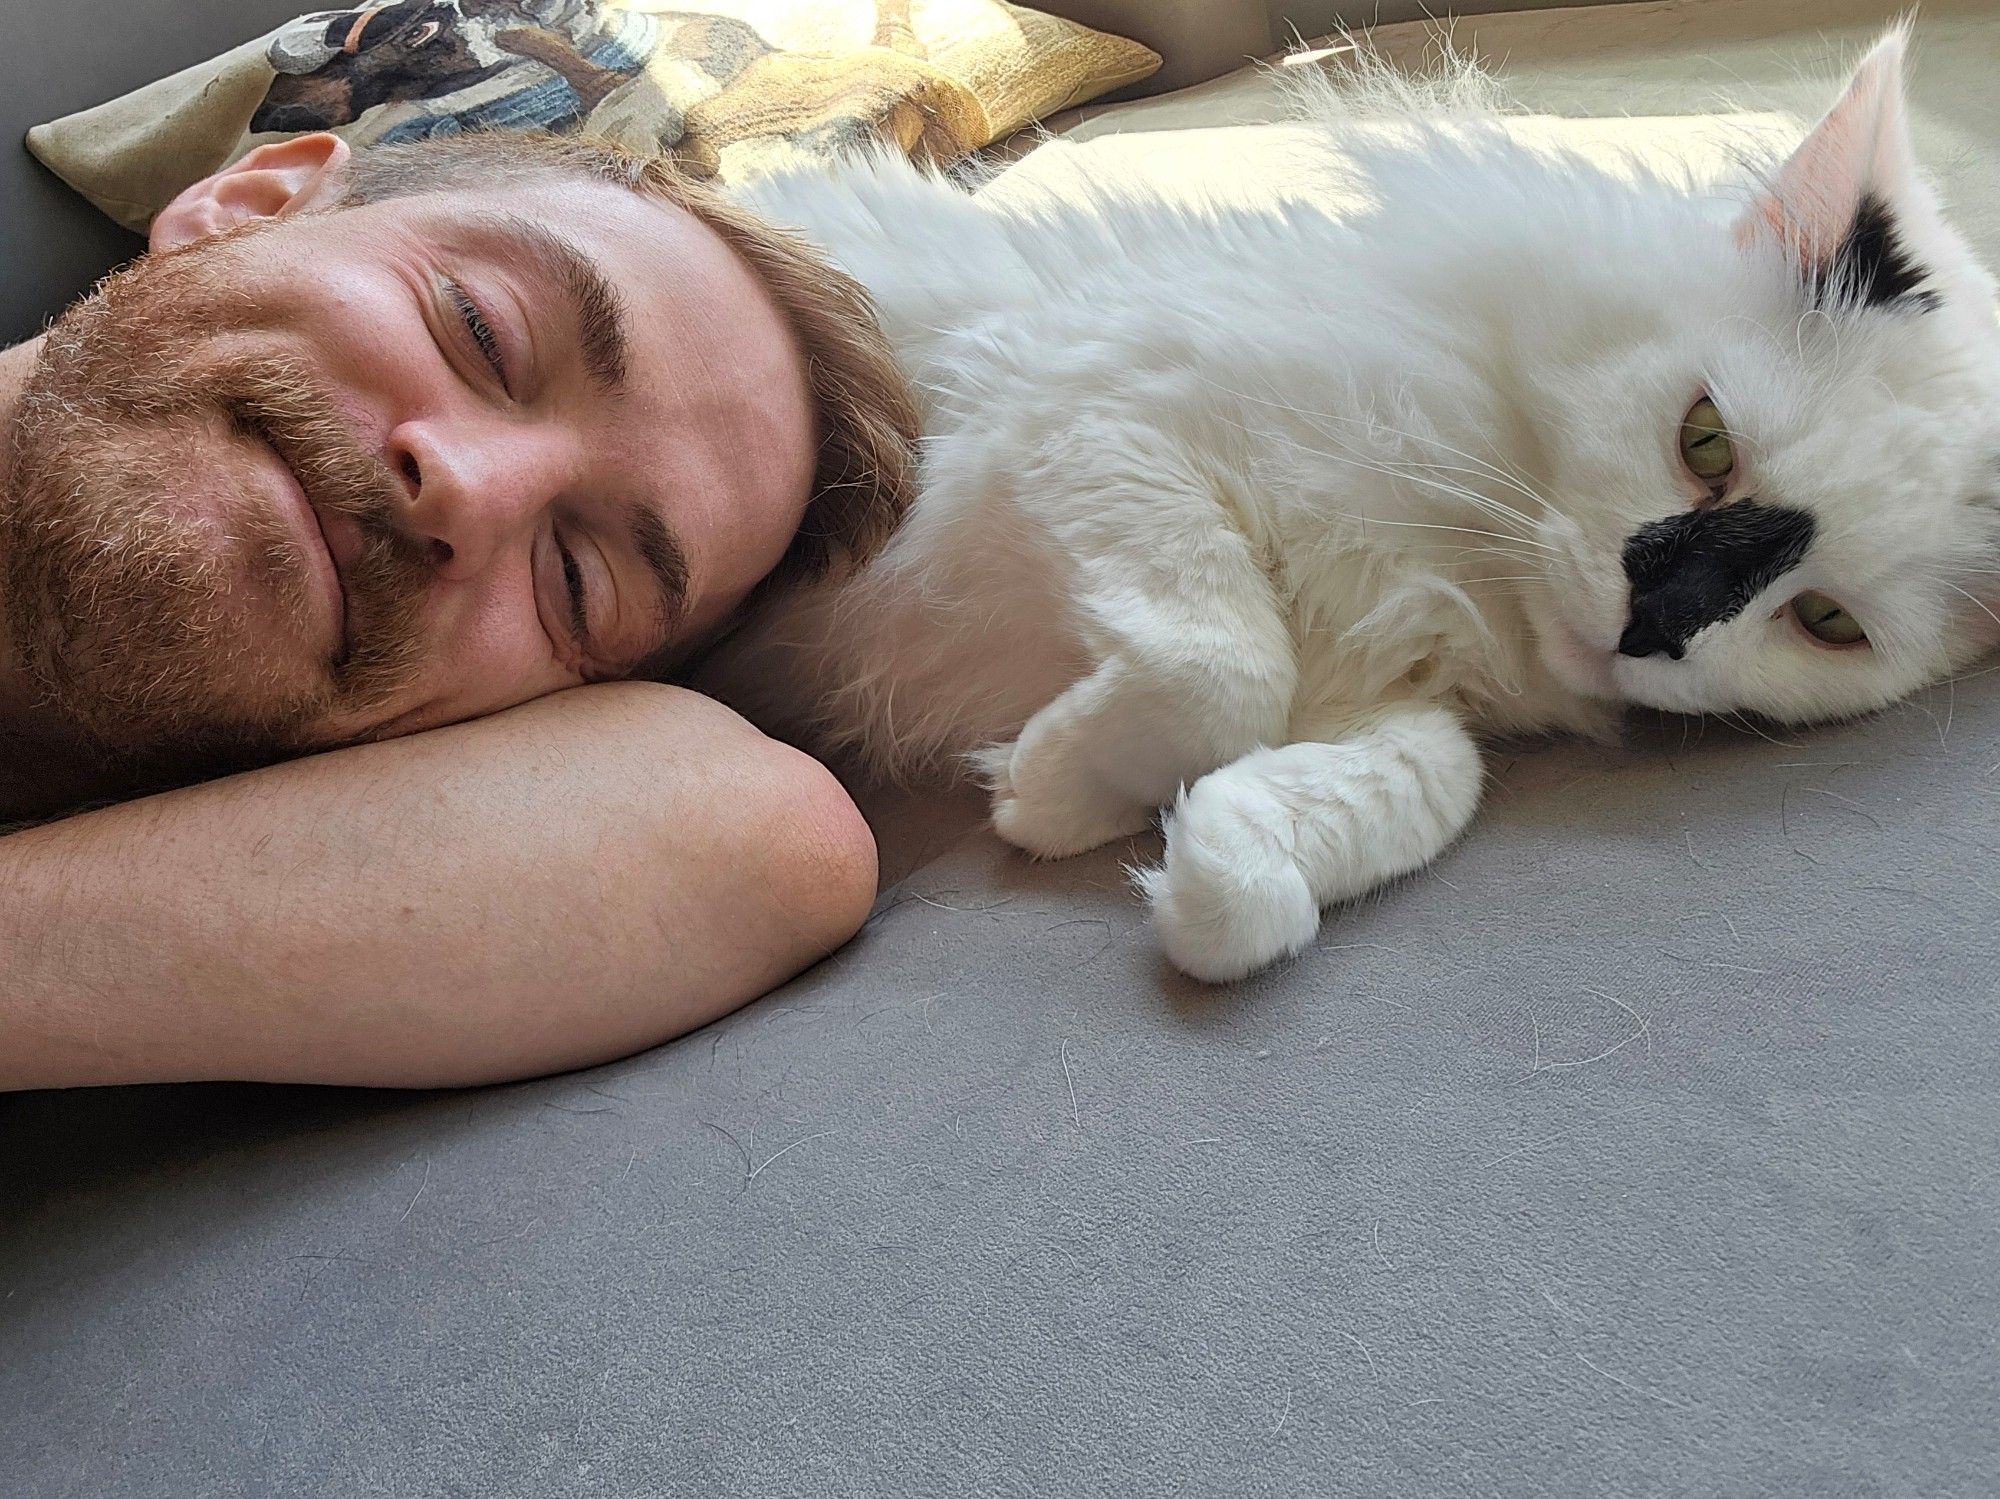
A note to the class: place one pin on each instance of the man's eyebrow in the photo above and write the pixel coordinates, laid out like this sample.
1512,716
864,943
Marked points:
667,562
596,306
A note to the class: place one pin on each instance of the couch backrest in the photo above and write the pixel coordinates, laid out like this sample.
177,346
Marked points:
1318,17
1202,39
63,55
1199,39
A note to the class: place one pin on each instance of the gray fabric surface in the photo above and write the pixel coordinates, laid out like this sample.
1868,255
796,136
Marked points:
1646,1147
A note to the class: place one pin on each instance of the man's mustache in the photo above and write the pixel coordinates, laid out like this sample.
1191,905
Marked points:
283,404
119,584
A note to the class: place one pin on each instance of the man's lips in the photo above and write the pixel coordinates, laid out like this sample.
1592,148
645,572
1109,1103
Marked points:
315,537
341,536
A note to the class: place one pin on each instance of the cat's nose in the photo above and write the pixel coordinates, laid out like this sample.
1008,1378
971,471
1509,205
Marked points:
1645,636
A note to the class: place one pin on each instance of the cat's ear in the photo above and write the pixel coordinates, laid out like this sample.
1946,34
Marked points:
1850,205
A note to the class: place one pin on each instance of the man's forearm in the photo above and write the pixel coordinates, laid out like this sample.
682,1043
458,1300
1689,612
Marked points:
556,885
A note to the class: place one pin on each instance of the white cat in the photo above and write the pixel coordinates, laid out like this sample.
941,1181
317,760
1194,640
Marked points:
1523,441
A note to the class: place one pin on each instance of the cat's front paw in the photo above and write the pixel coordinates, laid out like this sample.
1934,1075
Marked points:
1229,898
1050,815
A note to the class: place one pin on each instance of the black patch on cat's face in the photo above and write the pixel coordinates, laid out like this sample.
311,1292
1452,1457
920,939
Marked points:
1700,568
1872,269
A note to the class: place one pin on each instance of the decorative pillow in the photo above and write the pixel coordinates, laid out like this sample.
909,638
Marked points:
728,86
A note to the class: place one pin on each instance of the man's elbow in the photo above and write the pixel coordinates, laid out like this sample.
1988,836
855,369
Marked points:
820,855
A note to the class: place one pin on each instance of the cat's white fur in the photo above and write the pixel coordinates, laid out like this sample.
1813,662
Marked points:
1277,559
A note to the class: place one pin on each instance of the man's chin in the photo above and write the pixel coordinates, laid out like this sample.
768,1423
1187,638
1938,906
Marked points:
157,688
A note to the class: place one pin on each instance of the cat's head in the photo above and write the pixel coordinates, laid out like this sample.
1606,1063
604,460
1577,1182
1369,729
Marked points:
1773,444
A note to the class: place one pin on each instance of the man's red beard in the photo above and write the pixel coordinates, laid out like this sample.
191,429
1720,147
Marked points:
123,589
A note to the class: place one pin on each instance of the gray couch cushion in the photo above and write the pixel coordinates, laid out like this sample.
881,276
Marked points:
1644,1147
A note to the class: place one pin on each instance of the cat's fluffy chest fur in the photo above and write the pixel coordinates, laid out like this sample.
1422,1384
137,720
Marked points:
1268,514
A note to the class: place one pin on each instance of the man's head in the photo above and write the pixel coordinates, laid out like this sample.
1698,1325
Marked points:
377,443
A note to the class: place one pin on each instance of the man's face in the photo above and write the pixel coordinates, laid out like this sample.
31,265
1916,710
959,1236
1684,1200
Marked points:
351,474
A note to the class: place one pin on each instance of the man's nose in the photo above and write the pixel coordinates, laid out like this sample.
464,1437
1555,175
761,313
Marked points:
474,488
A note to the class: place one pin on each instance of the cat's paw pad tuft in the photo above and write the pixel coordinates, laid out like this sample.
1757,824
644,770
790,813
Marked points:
1047,814
1229,898
1058,829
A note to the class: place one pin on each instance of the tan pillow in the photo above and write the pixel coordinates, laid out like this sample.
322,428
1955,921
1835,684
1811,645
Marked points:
727,85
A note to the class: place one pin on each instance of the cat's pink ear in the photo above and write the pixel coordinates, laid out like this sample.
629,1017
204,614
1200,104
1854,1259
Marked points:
1849,204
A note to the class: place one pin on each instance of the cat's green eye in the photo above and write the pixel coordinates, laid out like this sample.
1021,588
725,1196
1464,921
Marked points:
1826,621
1705,445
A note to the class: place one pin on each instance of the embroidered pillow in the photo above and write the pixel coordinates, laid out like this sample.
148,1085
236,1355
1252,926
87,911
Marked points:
726,85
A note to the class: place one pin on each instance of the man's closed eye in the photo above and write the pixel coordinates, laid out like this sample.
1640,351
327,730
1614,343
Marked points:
478,330
579,602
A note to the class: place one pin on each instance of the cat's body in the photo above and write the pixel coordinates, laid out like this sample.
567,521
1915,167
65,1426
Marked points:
1297,550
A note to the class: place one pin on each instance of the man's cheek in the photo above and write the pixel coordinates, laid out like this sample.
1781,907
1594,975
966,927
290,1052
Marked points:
362,330
483,651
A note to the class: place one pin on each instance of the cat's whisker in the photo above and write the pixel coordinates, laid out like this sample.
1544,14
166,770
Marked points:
1376,424
1480,466
1402,474
1407,467
1435,485
1748,725
1510,554
1977,603
1376,520
1968,676
1483,469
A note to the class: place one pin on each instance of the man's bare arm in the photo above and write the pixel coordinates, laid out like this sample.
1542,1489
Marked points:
556,885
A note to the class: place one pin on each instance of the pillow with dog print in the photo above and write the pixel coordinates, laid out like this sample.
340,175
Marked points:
726,86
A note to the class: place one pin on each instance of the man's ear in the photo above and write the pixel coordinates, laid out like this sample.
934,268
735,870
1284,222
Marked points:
266,183
1850,205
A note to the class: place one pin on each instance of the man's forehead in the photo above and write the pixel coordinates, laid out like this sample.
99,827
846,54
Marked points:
661,262
604,219
693,312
